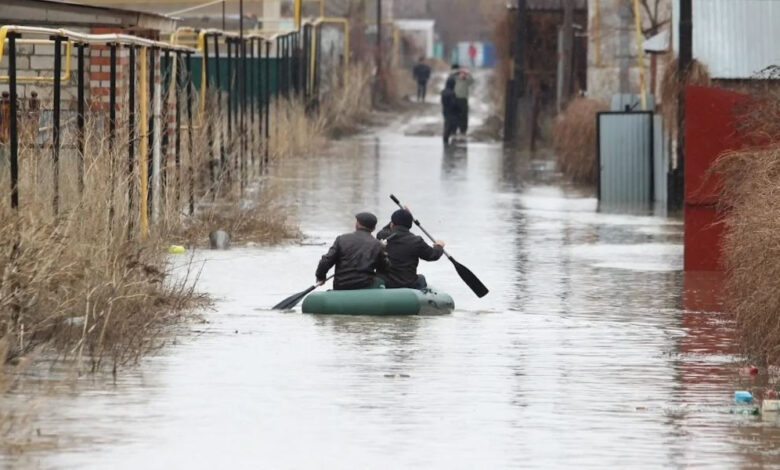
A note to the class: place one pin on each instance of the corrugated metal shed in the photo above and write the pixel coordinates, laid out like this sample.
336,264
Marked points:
736,39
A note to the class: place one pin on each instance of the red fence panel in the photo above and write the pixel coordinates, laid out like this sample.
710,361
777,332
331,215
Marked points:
709,132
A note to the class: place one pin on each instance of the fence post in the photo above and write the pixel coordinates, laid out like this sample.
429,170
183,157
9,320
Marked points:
14,131
251,95
204,96
165,81
111,131
190,145
218,114
80,122
267,101
280,64
177,138
151,130
242,90
55,131
131,139
229,44
143,163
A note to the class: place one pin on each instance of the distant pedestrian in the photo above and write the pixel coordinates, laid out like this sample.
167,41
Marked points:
473,55
449,109
463,81
422,73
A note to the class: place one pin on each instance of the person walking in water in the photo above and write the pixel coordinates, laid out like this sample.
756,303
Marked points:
449,109
463,81
405,251
422,73
358,257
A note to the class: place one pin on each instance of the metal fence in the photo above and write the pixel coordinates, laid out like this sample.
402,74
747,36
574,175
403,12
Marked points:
245,74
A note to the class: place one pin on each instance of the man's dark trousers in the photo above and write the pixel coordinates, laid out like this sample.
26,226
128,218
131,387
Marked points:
422,88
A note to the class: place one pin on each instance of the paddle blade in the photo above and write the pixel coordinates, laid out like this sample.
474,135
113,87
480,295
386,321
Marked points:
292,301
470,279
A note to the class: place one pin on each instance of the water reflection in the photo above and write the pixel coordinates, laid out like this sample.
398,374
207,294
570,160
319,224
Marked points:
454,162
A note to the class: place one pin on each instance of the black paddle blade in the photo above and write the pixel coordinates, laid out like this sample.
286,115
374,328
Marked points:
293,300
470,279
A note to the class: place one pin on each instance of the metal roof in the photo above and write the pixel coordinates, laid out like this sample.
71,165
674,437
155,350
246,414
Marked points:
65,13
735,39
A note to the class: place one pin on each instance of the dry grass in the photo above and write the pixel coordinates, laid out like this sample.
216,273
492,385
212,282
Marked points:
751,247
750,204
348,106
698,74
260,217
74,282
295,130
574,140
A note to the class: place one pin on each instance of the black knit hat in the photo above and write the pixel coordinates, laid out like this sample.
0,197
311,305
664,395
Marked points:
402,217
367,220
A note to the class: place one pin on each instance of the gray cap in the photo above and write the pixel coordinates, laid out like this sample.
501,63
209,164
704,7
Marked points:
367,220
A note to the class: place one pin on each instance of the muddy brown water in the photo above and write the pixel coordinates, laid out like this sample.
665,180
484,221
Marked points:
591,351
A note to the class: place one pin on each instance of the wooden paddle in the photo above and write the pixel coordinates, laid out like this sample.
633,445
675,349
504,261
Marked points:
465,273
292,301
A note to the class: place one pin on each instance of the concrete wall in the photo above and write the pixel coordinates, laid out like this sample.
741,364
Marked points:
612,41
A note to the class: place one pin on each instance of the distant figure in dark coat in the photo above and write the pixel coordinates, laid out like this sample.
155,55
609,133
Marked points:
449,108
422,73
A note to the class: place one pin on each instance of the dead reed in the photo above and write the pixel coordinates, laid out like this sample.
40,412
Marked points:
574,140
750,205
671,85
73,282
345,108
751,247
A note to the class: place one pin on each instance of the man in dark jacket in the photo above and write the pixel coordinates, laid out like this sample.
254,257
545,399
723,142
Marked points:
422,73
405,250
357,256
463,82
449,108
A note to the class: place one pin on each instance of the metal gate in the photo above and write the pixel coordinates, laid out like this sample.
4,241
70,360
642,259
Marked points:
625,153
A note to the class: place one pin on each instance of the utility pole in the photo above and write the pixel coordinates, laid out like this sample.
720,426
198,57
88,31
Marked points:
379,93
568,54
624,51
684,60
515,88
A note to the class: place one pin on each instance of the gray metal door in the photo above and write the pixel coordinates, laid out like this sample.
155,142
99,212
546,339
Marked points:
625,157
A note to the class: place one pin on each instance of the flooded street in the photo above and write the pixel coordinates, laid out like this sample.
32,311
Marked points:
588,352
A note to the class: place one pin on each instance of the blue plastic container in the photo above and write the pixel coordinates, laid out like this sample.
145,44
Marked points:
742,396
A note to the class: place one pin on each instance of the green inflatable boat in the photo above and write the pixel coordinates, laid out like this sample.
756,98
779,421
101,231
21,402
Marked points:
379,302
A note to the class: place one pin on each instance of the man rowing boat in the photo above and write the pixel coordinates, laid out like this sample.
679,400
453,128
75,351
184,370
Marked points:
405,251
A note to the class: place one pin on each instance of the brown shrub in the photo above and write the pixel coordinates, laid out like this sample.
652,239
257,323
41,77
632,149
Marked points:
751,247
344,109
574,140
698,74
750,204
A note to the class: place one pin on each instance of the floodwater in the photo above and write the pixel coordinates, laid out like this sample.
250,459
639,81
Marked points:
591,351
